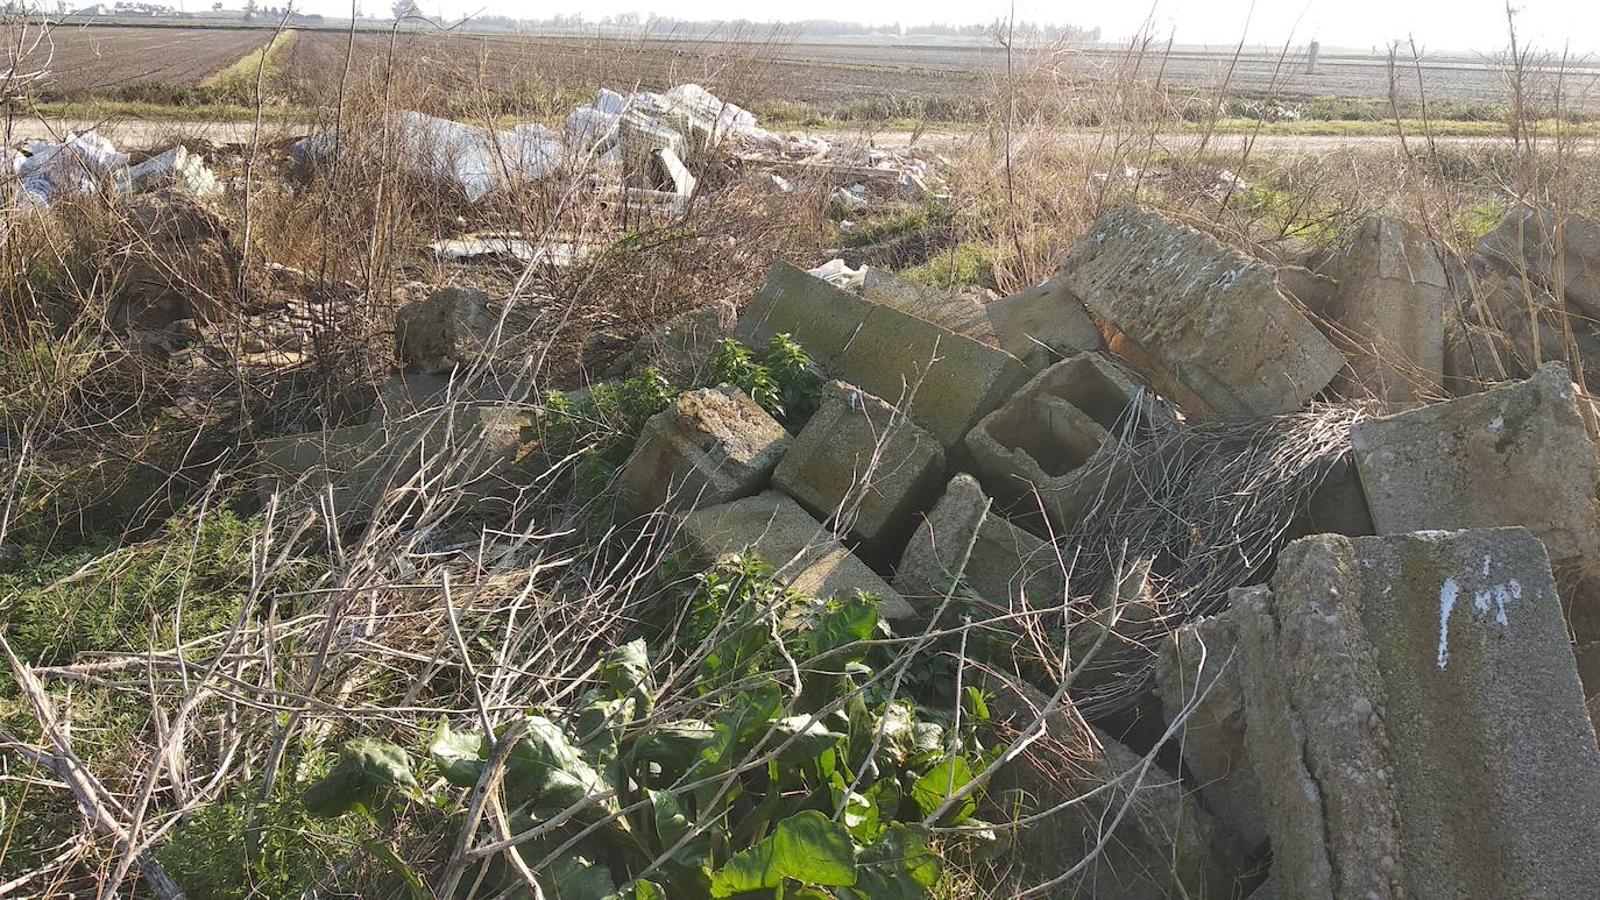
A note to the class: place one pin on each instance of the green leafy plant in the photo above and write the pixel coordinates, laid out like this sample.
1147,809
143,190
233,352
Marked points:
600,427
785,381
821,793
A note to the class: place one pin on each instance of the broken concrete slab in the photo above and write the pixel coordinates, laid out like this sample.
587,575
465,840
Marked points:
860,463
710,446
1004,564
947,380
1209,315
1416,719
1197,676
1558,253
470,450
1388,314
1048,437
1516,454
1163,845
803,553
1043,324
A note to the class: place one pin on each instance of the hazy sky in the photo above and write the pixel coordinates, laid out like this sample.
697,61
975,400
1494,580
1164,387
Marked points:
1436,24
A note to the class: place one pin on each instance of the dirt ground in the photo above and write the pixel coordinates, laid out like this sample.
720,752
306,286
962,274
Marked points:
85,59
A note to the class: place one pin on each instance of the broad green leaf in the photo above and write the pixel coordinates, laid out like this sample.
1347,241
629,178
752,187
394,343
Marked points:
738,726
576,878
626,671
845,622
812,741
644,889
599,724
861,815
675,746
899,866
672,822
805,847
940,783
368,770
458,755
546,768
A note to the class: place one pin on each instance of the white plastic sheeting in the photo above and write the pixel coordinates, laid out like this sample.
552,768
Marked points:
79,164
478,160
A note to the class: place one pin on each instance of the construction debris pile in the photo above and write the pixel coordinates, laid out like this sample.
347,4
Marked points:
84,162
1345,630
643,144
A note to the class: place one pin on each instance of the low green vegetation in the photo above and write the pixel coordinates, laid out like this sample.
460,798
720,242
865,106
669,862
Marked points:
792,769
237,83
964,265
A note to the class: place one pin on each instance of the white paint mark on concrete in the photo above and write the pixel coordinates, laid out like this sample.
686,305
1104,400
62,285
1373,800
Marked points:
1498,425
1448,592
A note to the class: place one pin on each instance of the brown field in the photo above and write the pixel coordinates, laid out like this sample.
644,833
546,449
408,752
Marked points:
92,60
830,77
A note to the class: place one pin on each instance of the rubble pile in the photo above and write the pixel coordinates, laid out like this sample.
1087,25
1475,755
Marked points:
644,146
85,162
1321,617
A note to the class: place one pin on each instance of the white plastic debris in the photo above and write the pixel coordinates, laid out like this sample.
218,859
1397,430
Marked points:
78,164
836,273
509,245
478,160
177,167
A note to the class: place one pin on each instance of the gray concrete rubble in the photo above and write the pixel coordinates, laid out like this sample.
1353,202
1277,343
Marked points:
446,329
1415,718
945,381
468,453
861,464
711,446
963,538
1517,454
1050,446
1197,680
1043,324
1210,316
802,552
959,313
1388,313
1558,253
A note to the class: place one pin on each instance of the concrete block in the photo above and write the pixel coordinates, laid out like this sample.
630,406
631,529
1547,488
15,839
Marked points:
802,552
1338,506
1552,253
710,446
860,463
1211,316
1388,313
951,380
1005,565
1416,719
822,318
1517,454
1198,671
957,312
1049,437
1043,324
448,328
473,449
